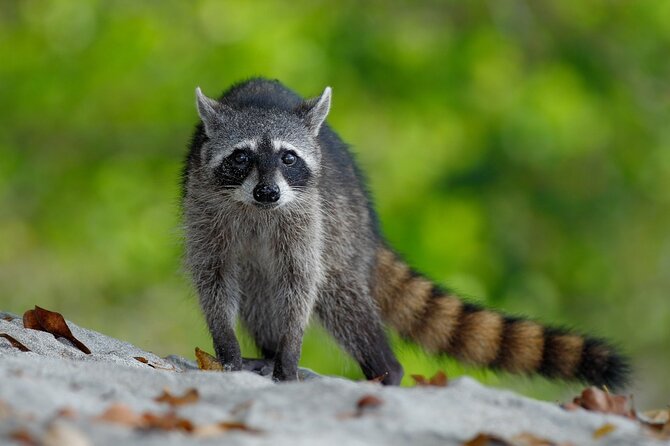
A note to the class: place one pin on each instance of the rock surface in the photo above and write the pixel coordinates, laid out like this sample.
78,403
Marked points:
55,394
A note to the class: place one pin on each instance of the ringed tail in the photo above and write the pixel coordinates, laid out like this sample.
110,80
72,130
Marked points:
442,323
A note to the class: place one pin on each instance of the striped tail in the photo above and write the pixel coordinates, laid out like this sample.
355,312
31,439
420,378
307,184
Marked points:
444,324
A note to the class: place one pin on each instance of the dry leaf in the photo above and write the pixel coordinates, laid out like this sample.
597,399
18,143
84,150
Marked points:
439,380
603,430
487,440
597,400
8,318
528,439
369,401
144,360
167,422
30,321
52,322
189,397
655,419
23,436
378,379
120,414
207,361
14,342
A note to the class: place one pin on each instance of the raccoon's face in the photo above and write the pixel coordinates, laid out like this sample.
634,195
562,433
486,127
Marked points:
261,158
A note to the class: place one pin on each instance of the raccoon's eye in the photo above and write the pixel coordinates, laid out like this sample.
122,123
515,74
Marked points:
289,158
240,157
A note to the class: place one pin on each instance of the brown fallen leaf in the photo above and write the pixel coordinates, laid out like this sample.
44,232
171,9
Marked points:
8,318
189,397
378,379
596,400
124,415
369,401
30,321
14,342
52,322
487,440
604,430
120,414
657,422
655,419
207,361
528,439
23,436
167,422
144,360
438,380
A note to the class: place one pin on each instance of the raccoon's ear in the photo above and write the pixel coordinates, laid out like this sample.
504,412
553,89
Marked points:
210,111
315,110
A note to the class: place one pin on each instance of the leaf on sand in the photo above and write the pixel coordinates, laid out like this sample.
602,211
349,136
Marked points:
144,360
207,361
657,422
120,414
378,379
364,404
438,380
51,322
523,439
487,440
603,430
30,321
24,437
166,422
189,397
124,415
368,401
214,429
596,400
14,342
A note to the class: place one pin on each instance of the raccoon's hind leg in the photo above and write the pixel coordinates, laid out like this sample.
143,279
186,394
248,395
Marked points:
349,314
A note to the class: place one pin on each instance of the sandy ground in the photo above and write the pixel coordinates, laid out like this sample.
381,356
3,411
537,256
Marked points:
55,394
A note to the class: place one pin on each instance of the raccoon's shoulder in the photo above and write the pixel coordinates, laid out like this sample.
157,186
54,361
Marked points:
262,93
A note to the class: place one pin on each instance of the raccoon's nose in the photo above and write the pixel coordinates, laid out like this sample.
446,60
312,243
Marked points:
264,193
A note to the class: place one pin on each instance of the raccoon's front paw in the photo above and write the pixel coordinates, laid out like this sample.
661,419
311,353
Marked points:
284,374
230,362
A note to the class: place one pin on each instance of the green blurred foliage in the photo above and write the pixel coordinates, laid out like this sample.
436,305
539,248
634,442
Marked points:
518,152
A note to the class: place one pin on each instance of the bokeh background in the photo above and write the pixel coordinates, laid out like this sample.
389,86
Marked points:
519,152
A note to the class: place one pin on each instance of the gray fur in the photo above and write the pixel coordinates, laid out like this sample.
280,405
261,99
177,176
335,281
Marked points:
311,252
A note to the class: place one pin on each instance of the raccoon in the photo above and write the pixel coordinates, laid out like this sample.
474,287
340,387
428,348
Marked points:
279,227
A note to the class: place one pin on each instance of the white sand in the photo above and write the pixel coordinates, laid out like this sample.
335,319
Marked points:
35,386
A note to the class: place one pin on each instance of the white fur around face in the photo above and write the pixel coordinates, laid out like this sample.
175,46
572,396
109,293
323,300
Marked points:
287,193
245,193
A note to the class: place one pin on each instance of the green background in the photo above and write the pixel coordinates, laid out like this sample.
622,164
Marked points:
518,152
